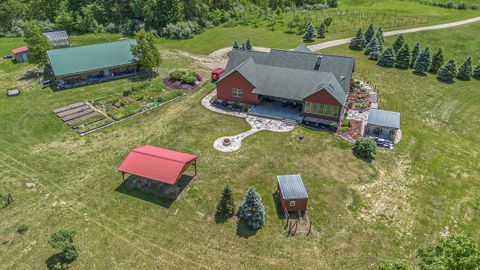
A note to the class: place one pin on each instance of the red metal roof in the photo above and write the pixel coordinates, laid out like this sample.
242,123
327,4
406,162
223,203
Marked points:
156,163
218,71
19,50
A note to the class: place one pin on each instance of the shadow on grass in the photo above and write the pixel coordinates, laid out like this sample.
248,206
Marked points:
278,206
366,159
57,262
420,74
446,82
220,217
243,230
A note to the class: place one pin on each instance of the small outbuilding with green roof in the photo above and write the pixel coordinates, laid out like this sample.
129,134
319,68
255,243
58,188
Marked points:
90,64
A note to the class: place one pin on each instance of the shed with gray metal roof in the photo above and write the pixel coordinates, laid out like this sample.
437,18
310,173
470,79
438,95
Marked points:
384,118
292,187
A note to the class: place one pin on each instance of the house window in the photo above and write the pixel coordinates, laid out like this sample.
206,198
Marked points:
237,93
321,109
292,203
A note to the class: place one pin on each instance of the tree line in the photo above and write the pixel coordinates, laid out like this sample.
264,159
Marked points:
129,16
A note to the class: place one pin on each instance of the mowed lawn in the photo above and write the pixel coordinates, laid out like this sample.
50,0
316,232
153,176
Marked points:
362,212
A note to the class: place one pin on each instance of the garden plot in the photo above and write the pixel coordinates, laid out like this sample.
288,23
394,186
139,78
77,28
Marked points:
82,117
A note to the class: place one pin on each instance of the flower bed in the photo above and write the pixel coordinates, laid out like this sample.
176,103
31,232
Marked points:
182,79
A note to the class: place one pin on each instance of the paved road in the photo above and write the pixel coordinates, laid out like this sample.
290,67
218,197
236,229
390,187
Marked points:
316,47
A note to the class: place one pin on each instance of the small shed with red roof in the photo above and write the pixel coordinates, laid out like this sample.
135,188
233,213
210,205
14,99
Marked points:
217,74
157,164
20,54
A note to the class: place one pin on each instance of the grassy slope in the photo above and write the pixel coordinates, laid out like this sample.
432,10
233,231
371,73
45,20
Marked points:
362,212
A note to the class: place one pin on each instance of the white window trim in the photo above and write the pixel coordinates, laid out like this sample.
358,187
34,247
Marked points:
237,93
321,109
292,203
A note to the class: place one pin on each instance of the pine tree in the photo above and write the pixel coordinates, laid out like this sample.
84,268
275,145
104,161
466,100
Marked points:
225,209
244,46
310,33
437,61
448,71
423,61
252,210
466,70
373,49
476,71
402,60
414,56
381,40
398,44
369,33
358,42
235,45
387,59
248,45
322,31
379,34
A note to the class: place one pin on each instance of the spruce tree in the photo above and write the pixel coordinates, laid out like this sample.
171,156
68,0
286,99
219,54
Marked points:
423,61
387,59
244,46
476,71
398,44
225,209
414,56
248,45
322,30
369,33
235,45
252,210
358,41
310,33
380,39
448,71
379,34
437,61
373,49
402,60
465,71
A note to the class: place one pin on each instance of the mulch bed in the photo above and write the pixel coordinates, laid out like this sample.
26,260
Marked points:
179,85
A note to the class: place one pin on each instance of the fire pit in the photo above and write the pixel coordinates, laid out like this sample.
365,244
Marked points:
227,142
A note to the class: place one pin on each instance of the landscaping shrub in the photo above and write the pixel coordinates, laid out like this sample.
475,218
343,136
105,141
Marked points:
63,241
365,148
22,228
393,265
188,78
245,107
177,74
252,210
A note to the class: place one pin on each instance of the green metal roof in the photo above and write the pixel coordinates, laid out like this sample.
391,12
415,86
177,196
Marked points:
91,57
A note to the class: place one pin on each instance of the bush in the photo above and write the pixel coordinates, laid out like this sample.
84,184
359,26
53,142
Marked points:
365,148
189,78
63,240
245,107
176,75
462,6
127,91
393,265
180,30
22,228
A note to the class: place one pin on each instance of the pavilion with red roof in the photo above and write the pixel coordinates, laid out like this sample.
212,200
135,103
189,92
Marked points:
157,164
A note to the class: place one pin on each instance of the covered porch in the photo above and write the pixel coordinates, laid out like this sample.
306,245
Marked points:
277,108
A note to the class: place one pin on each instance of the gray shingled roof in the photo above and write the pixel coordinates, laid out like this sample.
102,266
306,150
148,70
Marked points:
302,48
384,118
56,35
341,66
292,187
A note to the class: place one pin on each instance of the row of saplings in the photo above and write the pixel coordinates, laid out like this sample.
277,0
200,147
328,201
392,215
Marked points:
400,56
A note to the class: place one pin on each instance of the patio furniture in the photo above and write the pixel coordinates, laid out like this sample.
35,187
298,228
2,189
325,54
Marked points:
13,92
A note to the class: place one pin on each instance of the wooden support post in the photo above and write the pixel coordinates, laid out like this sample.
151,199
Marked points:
309,228
195,166
123,176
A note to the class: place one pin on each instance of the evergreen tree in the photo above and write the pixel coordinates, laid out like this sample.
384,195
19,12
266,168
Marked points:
373,49
414,56
476,71
322,31
402,60
225,209
398,44
365,147
448,71
369,33
437,61
310,33
38,44
387,59
423,61
244,46
145,51
248,45
379,34
358,42
235,45
465,71
252,210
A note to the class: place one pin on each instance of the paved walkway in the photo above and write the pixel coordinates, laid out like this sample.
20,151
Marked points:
220,54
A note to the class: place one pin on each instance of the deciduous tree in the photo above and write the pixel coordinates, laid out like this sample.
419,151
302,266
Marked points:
145,52
38,44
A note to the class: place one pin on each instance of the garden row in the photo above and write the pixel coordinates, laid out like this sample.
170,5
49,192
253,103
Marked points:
400,56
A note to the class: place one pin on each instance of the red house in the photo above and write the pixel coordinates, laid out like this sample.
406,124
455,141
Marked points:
292,193
297,85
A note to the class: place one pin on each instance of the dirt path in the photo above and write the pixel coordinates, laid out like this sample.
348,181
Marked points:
218,58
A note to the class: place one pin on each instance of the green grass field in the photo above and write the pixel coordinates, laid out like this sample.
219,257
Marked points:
362,212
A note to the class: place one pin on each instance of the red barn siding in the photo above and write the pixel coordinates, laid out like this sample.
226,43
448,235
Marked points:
236,80
324,97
